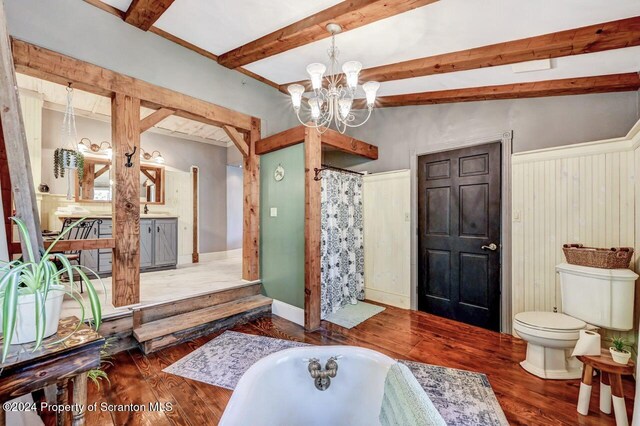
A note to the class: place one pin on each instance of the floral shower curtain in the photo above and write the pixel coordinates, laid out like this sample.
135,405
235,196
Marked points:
342,248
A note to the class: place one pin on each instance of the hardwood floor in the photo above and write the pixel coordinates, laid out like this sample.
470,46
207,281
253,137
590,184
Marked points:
526,399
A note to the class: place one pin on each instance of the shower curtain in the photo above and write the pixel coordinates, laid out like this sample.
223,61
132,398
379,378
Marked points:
342,249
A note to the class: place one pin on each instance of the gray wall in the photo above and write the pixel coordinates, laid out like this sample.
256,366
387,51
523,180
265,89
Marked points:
179,154
77,29
403,132
234,207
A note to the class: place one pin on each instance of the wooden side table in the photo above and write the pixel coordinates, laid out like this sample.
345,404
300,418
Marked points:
610,383
54,364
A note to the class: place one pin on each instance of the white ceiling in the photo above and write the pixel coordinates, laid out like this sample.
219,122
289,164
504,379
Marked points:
445,26
99,107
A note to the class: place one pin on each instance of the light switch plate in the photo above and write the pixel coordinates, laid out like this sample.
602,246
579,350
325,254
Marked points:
274,212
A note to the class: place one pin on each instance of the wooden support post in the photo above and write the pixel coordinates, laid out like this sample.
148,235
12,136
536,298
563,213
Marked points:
15,141
7,199
251,208
312,188
125,127
195,256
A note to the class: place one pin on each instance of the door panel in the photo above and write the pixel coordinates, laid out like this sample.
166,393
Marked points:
459,213
146,243
165,239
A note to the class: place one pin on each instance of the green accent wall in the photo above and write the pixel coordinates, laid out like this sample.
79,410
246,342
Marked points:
282,237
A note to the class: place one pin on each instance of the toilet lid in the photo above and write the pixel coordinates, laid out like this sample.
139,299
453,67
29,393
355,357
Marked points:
550,321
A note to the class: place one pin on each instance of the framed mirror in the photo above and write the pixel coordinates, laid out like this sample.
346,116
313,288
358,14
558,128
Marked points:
97,182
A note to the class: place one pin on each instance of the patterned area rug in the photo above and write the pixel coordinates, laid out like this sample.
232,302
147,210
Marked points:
461,397
351,315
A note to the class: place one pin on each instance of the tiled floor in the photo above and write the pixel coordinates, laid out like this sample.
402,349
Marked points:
161,286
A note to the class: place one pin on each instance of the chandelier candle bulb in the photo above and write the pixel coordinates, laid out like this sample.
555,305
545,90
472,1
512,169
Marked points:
352,70
344,105
370,89
316,71
296,91
316,106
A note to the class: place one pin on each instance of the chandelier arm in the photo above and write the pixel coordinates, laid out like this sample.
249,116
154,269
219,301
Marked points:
365,120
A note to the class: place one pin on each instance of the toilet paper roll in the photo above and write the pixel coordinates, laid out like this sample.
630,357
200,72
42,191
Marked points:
588,344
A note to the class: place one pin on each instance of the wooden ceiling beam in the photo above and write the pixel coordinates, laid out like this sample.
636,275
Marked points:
284,139
568,86
52,66
349,145
238,139
144,13
593,38
154,118
348,14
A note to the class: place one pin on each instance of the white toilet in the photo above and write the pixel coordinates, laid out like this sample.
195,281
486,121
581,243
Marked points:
591,298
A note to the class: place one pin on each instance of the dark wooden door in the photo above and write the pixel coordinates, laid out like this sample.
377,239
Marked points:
459,234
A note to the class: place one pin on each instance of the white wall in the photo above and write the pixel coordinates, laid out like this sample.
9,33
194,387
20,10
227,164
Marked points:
387,238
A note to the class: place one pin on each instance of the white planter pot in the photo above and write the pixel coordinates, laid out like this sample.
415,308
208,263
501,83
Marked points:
25,331
620,357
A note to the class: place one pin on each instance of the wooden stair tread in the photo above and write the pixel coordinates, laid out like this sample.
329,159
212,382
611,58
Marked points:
165,326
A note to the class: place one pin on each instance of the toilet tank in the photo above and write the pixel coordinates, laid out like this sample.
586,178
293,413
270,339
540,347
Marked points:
601,297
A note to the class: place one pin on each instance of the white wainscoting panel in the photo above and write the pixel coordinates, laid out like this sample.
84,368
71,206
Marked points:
575,194
387,238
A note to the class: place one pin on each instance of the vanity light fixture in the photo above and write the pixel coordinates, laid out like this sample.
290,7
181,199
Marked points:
86,146
154,156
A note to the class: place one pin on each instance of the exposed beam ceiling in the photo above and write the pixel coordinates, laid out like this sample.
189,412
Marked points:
594,38
348,14
144,13
52,66
570,86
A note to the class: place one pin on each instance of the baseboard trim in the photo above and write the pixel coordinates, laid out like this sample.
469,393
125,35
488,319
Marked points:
213,255
393,299
288,312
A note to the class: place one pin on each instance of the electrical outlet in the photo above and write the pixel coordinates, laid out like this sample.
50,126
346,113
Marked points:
274,212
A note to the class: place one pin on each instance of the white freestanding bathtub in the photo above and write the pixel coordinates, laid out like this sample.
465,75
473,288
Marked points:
278,390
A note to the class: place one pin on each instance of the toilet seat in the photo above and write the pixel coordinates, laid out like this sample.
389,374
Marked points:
549,321
548,325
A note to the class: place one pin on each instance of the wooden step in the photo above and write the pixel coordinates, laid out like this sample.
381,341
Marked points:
158,330
149,313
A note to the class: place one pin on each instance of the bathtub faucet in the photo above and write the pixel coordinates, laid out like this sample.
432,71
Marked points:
322,379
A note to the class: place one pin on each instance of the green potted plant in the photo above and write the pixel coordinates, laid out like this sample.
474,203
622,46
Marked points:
31,294
618,351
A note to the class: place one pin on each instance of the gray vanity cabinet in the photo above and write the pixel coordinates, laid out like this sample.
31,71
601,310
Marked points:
158,246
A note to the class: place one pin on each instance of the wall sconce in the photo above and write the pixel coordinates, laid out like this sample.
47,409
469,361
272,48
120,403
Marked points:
86,146
154,156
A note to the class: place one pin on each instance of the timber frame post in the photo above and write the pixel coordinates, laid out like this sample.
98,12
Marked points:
312,229
251,206
125,131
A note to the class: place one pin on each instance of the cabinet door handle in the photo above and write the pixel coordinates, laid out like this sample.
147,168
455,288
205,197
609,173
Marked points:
158,229
149,229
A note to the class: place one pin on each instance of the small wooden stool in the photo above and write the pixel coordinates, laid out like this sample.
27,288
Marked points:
610,376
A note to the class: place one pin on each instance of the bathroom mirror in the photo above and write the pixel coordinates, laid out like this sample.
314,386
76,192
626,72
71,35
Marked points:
97,182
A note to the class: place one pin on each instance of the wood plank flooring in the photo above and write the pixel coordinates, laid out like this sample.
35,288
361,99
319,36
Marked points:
526,399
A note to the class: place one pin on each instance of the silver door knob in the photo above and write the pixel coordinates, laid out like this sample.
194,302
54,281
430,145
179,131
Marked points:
491,247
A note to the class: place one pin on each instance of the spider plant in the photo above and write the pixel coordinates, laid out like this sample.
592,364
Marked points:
25,277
